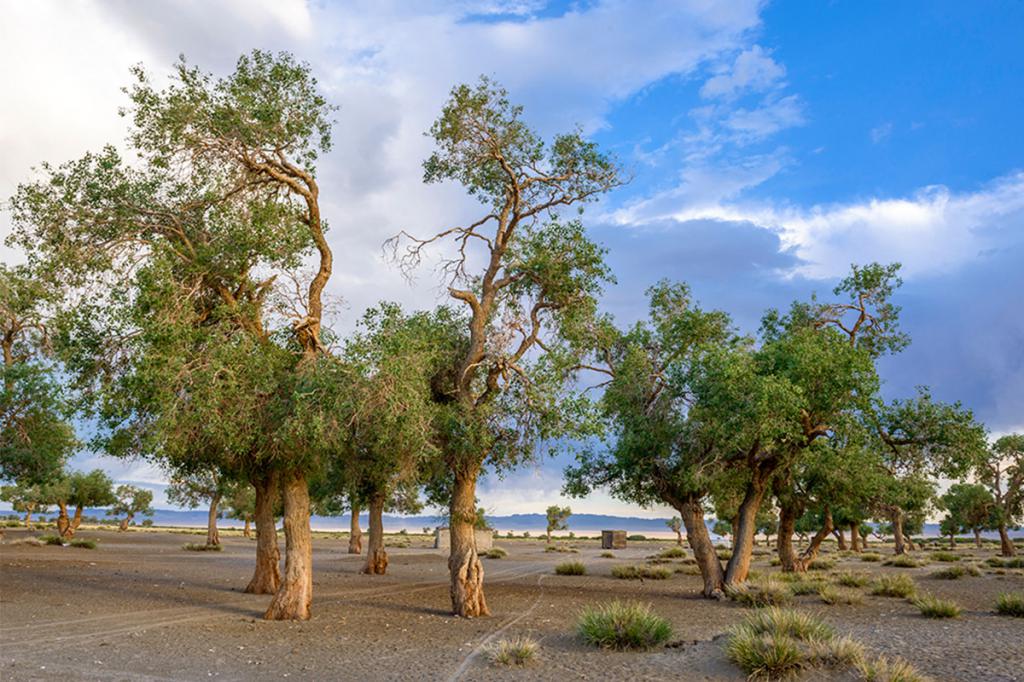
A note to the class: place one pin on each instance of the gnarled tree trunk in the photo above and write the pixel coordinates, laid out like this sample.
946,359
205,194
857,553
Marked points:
784,541
247,531
840,539
355,538
28,515
679,537
746,526
692,514
896,519
212,536
76,521
63,522
977,538
464,566
1006,546
294,597
855,537
808,556
267,576
125,521
376,555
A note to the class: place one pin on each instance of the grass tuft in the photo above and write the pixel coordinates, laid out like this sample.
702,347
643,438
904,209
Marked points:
638,572
885,669
623,625
945,556
955,572
196,547
515,651
84,543
51,540
672,553
1010,604
832,595
851,579
894,586
607,555
904,561
822,565
931,606
871,557
496,553
571,568
765,592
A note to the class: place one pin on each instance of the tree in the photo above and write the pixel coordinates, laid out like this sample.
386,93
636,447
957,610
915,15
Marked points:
129,502
35,436
192,488
81,490
557,519
970,507
1001,471
27,499
675,524
240,503
538,274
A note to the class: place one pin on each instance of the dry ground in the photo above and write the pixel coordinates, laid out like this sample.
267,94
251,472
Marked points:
140,608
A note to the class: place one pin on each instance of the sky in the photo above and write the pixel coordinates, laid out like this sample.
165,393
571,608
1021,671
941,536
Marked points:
770,146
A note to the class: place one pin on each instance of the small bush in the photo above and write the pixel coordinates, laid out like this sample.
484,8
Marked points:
775,561
571,568
837,595
871,557
805,586
1006,563
672,553
51,540
894,586
637,572
724,554
637,538
196,547
496,553
607,555
516,651
759,594
955,572
944,556
626,572
656,572
770,655
777,643
885,669
850,579
688,570
83,543
822,565
623,625
561,548
933,607
904,561
1011,604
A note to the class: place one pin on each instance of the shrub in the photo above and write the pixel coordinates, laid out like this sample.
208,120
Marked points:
931,606
623,625
761,593
850,579
805,586
51,540
724,554
656,572
516,651
777,643
871,556
822,565
571,568
904,561
771,655
637,572
607,555
637,538
32,542
626,572
688,570
496,553
944,556
561,548
1006,563
83,543
196,547
955,572
1011,604
894,586
147,523
838,595
885,669
673,553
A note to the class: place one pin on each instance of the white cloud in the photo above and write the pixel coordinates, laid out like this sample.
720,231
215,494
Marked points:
753,70
772,116
881,133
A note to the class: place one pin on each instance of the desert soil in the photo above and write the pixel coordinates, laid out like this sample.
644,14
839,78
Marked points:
139,607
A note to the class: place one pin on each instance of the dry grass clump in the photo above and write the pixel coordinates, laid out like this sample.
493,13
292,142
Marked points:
571,568
607,555
496,553
515,651
894,586
996,562
871,557
724,554
851,579
832,595
51,540
31,542
672,553
776,643
561,548
955,572
904,561
822,565
884,669
638,572
83,543
196,547
931,606
805,586
767,592
623,625
1010,604
945,556
689,569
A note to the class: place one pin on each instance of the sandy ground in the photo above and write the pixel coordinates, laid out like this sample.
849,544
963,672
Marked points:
140,608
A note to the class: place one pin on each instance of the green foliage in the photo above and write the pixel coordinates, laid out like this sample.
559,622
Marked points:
832,595
1010,604
896,585
557,518
931,606
956,572
496,553
130,501
969,507
515,651
51,540
571,568
945,556
84,543
623,625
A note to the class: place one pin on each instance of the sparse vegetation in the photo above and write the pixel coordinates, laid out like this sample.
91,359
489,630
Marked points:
516,651
885,669
851,579
870,557
607,555
760,593
931,606
197,547
571,568
904,561
672,553
83,543
496,553
51,540
944,556
898,585
956,572
623,625
1010,604
822,565
830,594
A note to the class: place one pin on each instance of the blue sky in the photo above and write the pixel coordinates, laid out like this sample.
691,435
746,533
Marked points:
771,144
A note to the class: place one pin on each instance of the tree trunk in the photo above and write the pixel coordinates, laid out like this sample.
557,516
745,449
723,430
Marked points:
464,566
679,538
267,576
896,519
855,537
294,597
549,536
952,541
811,553
703,549
1006,546
977,538
355,538
840,538
376,555
212,536
247,531
746,526
28,517
125,521
63,523
76,521
784,541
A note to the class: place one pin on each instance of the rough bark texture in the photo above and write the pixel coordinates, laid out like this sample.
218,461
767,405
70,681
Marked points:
679,537
28,518
1006,547
294,597
803,562
247,531
784,541
267,576
212,536
63,522
746,527
376,555
355,538
841,539
124,523
464,566
977,538
76,521
855,537
952,541
896,519
703,549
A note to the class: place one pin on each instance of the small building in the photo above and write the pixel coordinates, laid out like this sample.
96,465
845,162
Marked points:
613,539
484,539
